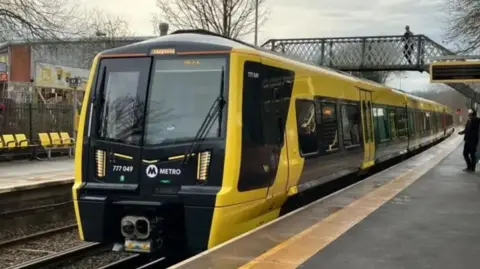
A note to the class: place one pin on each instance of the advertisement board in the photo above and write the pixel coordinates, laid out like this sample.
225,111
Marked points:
58,77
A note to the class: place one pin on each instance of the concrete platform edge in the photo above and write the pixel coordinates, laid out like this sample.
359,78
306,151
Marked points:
36,185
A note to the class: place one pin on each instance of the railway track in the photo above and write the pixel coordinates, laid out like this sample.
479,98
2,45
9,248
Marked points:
32,210
136,262
30,237
32,221
53,260
35,246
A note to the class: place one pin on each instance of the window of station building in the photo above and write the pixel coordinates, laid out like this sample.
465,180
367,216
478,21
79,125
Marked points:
381,124
401,122
306,126
351,125
326,113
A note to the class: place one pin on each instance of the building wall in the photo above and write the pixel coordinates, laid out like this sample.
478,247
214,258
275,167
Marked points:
71,54
20,64
22,58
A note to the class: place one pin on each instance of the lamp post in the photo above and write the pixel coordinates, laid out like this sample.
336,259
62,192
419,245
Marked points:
256,22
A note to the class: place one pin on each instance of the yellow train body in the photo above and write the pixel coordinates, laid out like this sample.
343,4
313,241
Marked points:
330,124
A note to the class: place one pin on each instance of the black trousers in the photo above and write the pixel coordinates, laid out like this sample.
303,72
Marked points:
469,152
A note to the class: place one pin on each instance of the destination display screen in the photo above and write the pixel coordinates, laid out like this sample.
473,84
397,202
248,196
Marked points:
467,71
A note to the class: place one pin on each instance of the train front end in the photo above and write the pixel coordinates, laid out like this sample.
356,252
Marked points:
151,146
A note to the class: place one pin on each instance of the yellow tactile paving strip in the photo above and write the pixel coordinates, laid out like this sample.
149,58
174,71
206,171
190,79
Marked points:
296,250
287,242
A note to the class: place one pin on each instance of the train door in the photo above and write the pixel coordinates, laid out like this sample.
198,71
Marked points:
277,89
367,127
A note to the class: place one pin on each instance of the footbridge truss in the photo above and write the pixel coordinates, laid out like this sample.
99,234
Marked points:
369,53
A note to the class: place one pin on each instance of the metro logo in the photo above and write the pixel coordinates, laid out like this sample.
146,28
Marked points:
152,171
170,171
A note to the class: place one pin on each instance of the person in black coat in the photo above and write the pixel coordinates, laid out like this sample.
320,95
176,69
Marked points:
471,140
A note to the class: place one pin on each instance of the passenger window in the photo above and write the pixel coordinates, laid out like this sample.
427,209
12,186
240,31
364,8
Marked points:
419,122
391,120
381,122
306,126
401,122
328,130
411,122
351,125
427,121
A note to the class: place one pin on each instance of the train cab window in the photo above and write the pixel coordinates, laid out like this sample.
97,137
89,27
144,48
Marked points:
327,130
351,125
121,93
307,127
401,122
381,124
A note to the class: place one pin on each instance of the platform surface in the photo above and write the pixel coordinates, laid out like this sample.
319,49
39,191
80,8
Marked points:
434,223
20,175
421,213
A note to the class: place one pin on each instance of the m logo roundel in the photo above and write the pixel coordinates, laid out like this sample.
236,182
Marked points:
152,171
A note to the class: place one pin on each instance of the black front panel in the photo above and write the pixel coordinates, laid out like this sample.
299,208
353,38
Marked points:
95,216
117,121
147,113
266,99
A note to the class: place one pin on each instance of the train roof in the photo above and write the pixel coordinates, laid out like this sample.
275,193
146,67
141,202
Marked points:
202,40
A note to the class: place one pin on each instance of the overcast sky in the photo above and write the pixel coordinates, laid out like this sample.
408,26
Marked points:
321,18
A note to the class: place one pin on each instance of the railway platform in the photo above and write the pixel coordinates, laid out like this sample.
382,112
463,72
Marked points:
25,175
421,213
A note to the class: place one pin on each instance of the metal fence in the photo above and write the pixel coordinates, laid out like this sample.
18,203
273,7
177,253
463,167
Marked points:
33,118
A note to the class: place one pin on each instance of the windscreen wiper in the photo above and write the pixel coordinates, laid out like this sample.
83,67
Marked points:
212,115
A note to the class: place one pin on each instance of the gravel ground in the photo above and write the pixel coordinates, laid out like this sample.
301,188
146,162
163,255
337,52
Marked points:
11,233
95,261
50,244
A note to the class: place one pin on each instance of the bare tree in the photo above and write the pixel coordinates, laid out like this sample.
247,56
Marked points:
106,25
232,18
464,26
98,31
39,19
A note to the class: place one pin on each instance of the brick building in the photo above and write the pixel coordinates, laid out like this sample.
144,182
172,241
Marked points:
21,61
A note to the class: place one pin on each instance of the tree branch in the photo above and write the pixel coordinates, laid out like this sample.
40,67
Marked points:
232,18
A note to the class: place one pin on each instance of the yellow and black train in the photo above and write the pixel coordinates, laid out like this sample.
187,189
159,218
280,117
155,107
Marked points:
190,139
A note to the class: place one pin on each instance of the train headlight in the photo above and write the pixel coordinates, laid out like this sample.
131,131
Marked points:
100,160
128,228
142,228
203,164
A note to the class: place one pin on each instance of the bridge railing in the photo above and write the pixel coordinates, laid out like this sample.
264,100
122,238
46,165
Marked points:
369,53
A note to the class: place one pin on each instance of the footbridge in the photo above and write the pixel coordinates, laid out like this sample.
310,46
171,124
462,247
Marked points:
369,53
